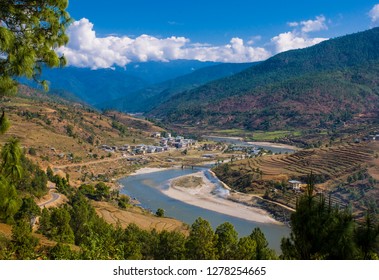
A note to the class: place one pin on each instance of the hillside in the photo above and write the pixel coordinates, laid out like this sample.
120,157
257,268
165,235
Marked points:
149,97
102,85
318,87
55,132
346,173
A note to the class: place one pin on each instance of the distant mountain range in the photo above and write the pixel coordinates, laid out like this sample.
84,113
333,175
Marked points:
102,85
320,86
152,96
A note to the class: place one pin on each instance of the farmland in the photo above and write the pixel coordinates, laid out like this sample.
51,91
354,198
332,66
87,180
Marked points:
346,173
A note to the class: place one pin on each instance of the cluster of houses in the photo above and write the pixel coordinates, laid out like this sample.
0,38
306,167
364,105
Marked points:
373,137
178,142
165,144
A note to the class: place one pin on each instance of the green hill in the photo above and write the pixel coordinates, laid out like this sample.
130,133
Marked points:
147,98
320,86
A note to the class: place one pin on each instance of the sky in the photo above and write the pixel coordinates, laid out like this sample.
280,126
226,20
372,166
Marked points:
124,31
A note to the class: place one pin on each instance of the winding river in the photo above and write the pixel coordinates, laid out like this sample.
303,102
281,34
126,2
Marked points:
147,189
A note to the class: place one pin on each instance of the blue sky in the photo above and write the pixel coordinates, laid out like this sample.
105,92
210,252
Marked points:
226,31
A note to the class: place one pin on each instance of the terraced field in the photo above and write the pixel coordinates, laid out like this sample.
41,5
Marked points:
329,163
345,174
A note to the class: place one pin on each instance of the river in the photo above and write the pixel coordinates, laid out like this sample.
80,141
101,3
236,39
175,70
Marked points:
147,189
274,147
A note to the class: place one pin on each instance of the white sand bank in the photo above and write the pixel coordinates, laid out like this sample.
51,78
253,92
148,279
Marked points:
204,197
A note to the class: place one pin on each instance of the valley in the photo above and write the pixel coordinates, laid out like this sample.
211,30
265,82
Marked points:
188,158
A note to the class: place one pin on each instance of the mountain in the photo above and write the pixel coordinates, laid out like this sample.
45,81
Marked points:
145,99
99,86
320,86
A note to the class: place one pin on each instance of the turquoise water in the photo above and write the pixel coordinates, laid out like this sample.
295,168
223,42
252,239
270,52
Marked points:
146,188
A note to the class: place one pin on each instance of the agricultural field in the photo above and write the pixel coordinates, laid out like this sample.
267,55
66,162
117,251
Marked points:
347,174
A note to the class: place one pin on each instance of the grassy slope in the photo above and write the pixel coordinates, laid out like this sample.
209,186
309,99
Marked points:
40,122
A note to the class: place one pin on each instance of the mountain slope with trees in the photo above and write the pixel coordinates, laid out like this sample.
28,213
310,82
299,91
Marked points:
147,98
102,85
320,86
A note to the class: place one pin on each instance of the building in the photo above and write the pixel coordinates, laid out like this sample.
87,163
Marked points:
295,185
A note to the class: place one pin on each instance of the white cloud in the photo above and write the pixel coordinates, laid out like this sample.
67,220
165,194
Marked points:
293,24
289,41
85,49
314,25
374,14
298,38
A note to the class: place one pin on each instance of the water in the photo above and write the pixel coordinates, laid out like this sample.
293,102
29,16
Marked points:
146,188
239,142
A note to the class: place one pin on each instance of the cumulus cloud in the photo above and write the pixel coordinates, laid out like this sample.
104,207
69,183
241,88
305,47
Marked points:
85,49
374,14
299,38
314,25
289,41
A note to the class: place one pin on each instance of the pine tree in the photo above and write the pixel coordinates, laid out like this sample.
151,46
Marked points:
30,31
200,244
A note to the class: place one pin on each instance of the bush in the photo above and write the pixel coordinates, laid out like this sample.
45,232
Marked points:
160,212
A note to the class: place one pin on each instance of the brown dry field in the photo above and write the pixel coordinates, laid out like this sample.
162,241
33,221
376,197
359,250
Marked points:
336,162
138,216
29,124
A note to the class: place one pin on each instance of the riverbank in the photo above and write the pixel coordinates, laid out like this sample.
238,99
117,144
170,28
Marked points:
274,145
208,195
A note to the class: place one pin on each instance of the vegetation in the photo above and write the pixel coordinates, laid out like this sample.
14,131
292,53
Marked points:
29,33
323,86
320,231
147,98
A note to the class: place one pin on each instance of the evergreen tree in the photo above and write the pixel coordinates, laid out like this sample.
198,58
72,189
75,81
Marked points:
319,231
200,244
227,239
263,252
246,249
170,246
28,211
11,160
23,242
367,239
60,226
29,33
61,252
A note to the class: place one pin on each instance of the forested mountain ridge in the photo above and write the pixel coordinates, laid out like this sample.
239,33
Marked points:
149,97
101,85
320,86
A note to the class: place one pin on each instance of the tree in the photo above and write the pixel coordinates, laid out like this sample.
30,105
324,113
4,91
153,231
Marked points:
11,157
61,252
102,191
60,226
246,249
200,244
319,231
23,242
29,33
227,239
263,252
367,239
28,211
160,212
9,201
170,246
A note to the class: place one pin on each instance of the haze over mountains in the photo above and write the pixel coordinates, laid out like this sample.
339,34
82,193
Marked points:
102,85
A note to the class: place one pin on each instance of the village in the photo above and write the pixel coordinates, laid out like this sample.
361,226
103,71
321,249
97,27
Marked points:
163,144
